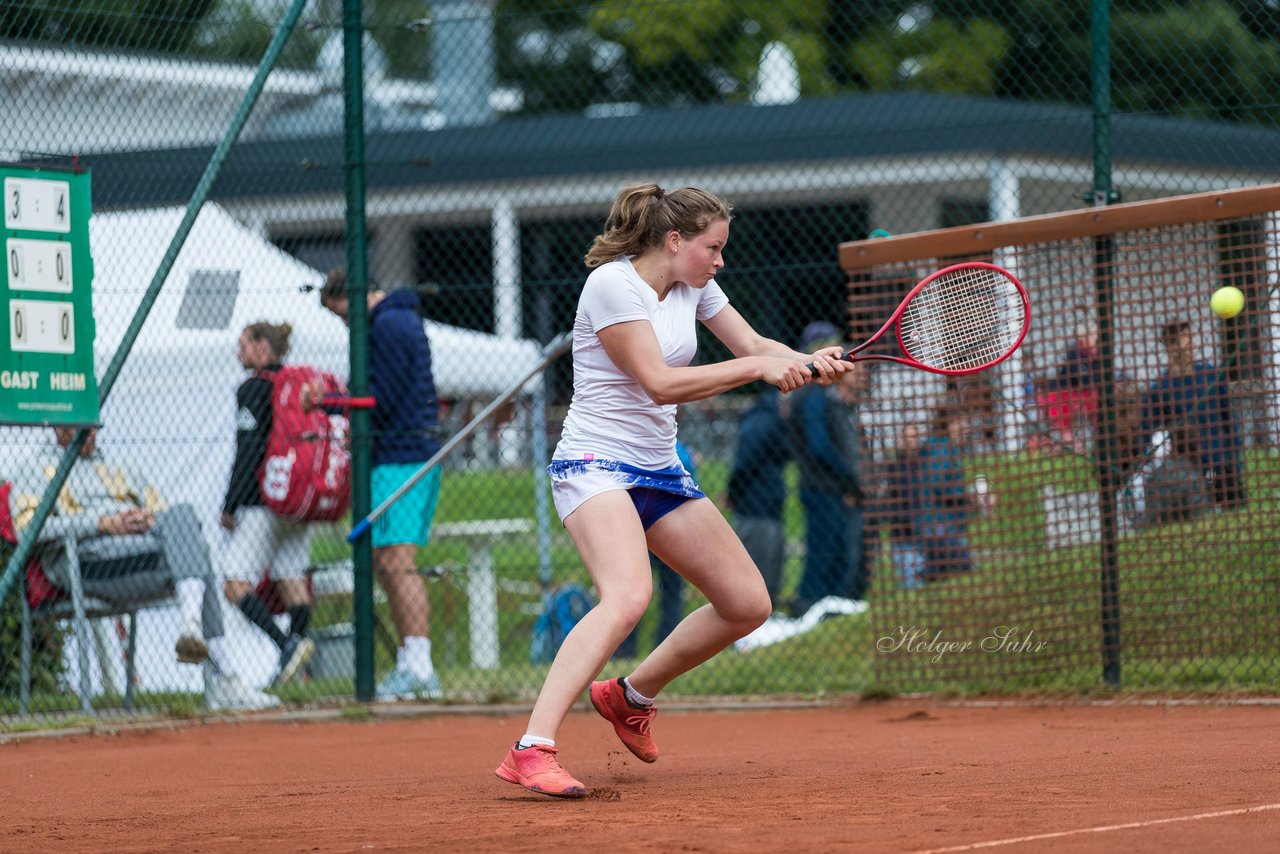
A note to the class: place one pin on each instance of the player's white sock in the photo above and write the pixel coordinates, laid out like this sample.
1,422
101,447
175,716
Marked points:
527,740
634,697
191,597
417,657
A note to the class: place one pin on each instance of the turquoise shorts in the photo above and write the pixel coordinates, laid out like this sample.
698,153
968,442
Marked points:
409,519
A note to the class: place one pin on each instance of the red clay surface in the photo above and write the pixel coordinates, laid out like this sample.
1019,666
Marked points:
898,776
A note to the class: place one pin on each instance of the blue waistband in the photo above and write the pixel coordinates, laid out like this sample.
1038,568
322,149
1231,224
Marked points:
673,479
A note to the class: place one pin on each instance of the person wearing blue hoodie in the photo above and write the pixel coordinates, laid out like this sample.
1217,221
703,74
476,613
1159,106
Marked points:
406,434
757,487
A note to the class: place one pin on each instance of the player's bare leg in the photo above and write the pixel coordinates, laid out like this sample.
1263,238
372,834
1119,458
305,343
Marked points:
696,541
611,542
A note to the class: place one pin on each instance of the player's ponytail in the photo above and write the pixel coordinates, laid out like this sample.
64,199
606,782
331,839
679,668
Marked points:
275,334
643,214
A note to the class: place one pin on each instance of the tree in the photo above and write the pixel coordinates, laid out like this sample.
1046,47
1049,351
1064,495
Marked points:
932,54
557,61
1197,59
709,50
1206,58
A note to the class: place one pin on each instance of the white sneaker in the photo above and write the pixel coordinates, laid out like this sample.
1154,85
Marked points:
777,628
404,684
229,694
191,646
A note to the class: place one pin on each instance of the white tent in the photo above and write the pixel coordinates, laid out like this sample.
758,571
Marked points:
170,416
172,409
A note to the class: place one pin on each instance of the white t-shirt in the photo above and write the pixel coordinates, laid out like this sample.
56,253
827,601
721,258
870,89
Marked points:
611,417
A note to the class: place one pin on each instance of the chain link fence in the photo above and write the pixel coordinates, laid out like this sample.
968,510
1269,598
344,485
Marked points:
496,135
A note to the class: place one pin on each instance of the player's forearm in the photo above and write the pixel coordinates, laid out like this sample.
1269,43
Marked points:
684,385
761,346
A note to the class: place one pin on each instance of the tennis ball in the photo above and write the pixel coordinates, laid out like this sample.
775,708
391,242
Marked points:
1227,302
879,232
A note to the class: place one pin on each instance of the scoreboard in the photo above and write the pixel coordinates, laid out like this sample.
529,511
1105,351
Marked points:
46,347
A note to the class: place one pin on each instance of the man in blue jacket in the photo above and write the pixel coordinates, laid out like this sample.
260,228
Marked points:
1191,399
757,487
824,439
405,435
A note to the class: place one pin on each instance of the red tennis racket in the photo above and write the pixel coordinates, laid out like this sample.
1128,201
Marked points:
960,320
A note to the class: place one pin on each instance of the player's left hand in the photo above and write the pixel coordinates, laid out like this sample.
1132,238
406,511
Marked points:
829,365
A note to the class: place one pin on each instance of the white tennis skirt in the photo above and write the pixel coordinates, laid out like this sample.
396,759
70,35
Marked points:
575,481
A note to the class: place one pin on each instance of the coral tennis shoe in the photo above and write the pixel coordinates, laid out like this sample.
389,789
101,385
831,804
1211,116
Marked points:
537,769
631,724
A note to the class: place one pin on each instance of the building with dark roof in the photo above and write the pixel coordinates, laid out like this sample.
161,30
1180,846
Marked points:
490,209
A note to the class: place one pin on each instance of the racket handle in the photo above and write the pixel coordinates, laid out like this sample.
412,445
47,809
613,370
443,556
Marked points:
359,530
847,356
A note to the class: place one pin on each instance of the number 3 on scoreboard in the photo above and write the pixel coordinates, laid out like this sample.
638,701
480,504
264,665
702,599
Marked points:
36,204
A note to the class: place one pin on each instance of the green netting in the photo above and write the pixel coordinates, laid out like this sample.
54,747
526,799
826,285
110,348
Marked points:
496,135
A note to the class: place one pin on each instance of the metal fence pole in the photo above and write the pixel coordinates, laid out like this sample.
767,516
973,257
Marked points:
1108,453
358,317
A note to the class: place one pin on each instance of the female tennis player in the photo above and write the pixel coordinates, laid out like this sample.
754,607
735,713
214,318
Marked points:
617,483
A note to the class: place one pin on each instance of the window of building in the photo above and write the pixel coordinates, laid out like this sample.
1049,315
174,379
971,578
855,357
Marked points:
321,250
458,261
955,212
782,267
209,300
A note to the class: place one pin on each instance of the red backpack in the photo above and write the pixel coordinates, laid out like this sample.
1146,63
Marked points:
306,470
39,589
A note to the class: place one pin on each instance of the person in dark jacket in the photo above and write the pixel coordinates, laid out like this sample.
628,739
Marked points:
1074,406
945,504
855,449
757,489
1191,399
260,538
829,485
904,484
406,434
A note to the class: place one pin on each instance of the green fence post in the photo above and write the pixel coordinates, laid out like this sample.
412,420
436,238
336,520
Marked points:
1107,453
358,317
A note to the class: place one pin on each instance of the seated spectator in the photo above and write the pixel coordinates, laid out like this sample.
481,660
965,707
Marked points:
945,503
132,548
904,477
1072,401
1175,489
1190,394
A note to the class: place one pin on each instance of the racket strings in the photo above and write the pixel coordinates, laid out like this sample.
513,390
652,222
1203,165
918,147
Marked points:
963,320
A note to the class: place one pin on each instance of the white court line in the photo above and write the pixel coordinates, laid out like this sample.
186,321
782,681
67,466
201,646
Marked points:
1103,829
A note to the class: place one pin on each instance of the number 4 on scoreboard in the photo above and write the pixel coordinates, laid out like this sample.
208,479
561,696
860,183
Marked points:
36,204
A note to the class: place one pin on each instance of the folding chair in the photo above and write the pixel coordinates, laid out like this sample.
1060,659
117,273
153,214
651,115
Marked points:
73,604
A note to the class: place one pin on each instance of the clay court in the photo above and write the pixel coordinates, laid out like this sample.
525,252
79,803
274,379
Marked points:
898,776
